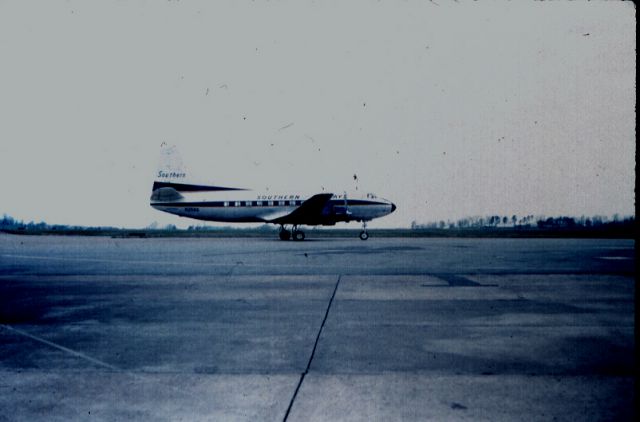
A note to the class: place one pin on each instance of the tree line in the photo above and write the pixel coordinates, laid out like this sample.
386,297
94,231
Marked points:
527,222
10,223
494,223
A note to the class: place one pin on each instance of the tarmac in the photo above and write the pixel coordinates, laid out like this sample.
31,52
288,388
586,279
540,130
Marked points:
325,329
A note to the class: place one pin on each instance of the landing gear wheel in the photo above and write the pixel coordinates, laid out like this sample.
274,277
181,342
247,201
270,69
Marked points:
298,235
284,234
363,234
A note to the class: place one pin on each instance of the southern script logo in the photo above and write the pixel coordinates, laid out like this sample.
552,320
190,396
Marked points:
167,175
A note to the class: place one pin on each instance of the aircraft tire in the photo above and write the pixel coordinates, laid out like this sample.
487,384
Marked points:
364,235
285,235
298,235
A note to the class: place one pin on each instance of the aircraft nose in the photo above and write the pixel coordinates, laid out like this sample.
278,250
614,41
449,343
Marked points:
393,207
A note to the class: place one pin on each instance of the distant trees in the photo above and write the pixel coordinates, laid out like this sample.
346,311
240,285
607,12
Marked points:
526,222
7,222
619,224
10,223
564,222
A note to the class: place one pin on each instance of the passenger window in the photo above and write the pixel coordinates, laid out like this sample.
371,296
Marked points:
259,203
270,203
226,203
238,203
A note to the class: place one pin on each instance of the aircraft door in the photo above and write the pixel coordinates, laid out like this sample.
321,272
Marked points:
341,211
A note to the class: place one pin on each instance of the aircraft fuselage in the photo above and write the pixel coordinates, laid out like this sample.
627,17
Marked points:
243,207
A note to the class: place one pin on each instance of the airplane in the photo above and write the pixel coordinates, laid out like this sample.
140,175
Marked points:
172,193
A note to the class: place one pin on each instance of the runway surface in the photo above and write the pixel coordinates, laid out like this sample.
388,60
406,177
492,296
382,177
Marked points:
325,329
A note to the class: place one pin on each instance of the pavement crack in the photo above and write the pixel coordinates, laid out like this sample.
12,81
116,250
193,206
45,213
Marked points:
313,352
62,348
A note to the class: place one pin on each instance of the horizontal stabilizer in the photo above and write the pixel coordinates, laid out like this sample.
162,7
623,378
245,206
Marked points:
185,187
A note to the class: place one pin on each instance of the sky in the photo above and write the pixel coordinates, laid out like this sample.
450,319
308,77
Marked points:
449,109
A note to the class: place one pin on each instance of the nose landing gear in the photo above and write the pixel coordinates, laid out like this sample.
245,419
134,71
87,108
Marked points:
363,234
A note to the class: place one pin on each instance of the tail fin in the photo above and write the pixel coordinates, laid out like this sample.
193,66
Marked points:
172,177
171,168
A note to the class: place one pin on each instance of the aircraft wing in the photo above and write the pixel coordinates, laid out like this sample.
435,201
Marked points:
276,215
309,212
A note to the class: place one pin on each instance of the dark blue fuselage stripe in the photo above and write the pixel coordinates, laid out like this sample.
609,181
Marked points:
214,204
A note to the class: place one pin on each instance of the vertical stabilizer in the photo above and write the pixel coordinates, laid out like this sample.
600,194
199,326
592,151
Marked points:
171,168
172,177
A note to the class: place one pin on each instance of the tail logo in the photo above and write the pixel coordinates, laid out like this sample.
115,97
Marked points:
165,175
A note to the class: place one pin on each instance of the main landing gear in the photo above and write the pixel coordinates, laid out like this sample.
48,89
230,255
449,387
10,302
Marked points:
295,233
284,233
363,234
